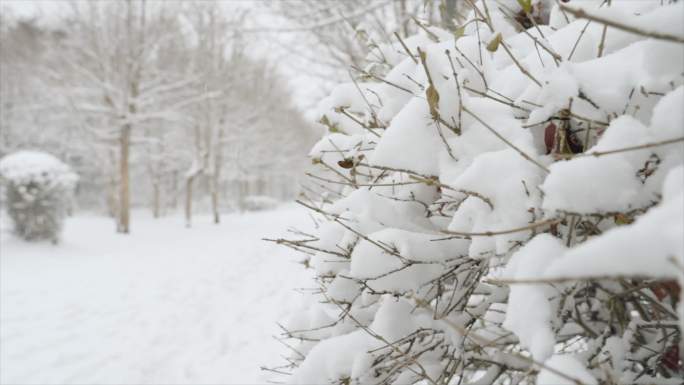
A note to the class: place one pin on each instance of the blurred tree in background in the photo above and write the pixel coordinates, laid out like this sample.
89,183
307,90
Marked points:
149,101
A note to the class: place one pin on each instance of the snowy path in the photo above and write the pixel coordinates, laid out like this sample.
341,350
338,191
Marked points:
165,305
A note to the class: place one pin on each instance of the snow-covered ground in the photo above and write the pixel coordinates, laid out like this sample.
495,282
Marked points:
164,305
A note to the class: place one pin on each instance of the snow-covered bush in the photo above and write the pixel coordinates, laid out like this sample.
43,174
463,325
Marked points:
503,204
38,189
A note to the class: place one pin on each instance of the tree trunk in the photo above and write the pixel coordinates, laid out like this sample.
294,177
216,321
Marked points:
112,186
188,200
124,192
213,187
155,200
214,206
112,208
174,197
133,79
216,176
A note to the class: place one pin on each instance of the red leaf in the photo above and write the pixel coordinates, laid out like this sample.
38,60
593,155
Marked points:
346,163
666,288
550,137
671,358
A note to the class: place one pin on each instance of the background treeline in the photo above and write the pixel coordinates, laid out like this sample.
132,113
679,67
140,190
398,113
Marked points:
156,104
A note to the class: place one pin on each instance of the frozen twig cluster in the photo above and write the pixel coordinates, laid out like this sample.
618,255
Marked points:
38,189
502,204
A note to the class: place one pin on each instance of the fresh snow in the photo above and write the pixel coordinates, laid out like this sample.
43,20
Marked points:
163,305
24,167
564,364
529,315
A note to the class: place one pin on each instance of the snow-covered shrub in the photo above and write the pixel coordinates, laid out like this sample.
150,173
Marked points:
38,189
504,204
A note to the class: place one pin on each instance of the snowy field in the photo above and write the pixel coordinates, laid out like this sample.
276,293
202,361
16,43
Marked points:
164,305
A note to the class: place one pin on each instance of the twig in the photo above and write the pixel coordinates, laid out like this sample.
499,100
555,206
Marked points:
382,80
582,14
520,67
620,150
531,226
408,51
574,47
531,281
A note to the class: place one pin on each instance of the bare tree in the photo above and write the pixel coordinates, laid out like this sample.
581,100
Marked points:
150,101
111,52
217,54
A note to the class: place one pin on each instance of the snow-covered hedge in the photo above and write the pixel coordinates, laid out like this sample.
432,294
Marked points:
38,190
503,204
